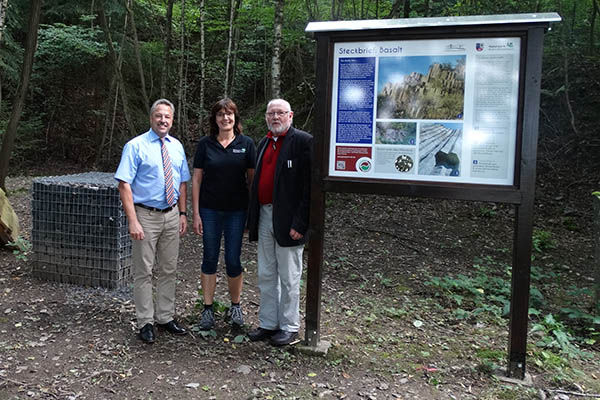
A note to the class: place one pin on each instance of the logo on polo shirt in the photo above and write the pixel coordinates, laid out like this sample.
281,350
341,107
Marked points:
239,150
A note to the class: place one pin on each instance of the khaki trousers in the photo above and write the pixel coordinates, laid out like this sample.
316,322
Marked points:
158,251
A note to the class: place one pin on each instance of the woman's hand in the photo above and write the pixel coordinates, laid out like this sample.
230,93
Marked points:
197,224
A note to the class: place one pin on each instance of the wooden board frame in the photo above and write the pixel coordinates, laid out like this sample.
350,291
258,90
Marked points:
521,194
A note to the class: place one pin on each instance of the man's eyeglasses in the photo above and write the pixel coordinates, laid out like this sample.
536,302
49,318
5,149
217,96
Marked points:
277,113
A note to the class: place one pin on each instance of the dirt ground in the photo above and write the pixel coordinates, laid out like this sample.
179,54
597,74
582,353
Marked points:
391,337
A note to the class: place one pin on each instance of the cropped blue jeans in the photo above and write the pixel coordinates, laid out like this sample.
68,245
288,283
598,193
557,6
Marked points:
215,225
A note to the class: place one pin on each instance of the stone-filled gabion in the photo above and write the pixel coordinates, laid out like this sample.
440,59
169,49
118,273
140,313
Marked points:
80,233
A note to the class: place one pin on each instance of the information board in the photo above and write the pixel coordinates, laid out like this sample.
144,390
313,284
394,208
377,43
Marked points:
426,110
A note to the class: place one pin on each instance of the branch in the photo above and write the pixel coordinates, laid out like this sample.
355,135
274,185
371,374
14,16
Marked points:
569,108
579,394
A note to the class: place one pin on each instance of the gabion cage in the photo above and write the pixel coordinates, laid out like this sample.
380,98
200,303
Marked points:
80,232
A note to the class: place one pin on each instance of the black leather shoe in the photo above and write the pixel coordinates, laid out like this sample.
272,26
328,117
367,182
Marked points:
261,334
282,338
173,327
147,333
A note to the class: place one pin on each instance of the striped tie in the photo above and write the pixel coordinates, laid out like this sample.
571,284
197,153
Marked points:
168,169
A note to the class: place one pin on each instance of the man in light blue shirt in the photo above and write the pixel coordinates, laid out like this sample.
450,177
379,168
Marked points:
152,179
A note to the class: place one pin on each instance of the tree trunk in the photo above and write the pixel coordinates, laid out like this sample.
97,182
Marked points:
395,11
180,99
167,50
3,8
8,140
265,67
113,89
138,56
406,8
229,45
276,60
595,12
115,62
202,68
236,42
309,11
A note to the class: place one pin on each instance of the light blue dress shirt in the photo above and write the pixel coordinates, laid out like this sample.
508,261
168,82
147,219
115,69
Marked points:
142,167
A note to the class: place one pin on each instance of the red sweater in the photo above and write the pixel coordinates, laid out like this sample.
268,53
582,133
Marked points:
266,181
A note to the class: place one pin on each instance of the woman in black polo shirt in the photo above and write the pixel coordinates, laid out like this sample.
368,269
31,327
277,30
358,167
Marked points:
223,172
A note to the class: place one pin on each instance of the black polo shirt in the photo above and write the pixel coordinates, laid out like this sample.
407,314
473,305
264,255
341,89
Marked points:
224,184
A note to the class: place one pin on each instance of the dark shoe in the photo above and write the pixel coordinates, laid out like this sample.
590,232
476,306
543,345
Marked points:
207,320
236,316
173,327
147,333
282,338
261,334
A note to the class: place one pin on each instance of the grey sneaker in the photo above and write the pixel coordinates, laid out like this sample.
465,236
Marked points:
207,321
236,316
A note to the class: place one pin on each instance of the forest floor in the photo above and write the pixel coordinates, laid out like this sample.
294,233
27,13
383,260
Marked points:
395,331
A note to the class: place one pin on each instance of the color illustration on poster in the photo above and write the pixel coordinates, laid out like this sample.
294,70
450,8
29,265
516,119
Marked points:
426,110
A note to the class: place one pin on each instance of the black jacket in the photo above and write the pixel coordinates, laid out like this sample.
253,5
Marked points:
291,192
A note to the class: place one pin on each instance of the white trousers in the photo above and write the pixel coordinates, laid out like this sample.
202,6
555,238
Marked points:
279,274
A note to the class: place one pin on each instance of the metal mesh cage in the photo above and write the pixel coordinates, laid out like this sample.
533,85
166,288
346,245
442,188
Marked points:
80,233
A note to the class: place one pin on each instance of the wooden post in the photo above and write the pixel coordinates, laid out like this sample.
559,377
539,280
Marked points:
596,218
519,304
317,202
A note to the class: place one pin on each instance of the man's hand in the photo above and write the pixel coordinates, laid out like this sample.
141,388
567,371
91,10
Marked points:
295,235
135,230
182,225
197,224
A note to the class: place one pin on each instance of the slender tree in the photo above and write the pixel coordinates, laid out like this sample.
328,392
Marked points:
8,139
595,12
202,67
167,49
181,89
276,60
138,57
117,68
3,8
229,46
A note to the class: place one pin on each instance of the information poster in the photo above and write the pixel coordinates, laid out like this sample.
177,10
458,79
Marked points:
426,110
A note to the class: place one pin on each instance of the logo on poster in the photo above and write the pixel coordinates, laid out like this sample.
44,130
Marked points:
479,46
340,165
364,164
455,47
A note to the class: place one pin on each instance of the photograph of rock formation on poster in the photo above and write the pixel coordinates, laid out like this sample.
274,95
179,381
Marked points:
440,148
396,133
421,87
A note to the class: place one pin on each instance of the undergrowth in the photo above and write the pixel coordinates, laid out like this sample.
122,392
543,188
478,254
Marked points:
558,337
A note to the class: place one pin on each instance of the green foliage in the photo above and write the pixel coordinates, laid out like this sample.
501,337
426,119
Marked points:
30,144
542,241
63,49
487,292
557,336
487,212
21,248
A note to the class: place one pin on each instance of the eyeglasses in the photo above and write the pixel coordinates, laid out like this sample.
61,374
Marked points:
222,114
277,113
